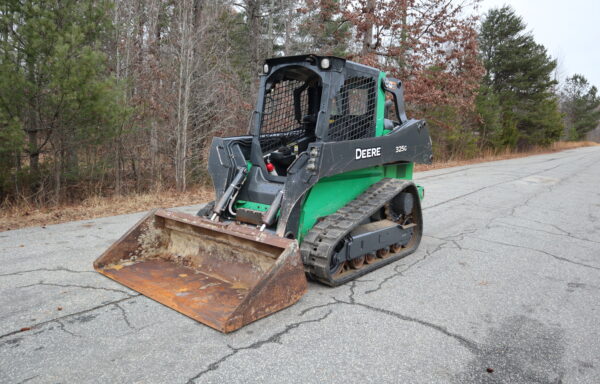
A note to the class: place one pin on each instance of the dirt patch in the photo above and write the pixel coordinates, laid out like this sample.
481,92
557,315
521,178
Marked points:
520,350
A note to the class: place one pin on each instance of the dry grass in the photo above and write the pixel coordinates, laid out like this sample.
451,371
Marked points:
24,215
507,154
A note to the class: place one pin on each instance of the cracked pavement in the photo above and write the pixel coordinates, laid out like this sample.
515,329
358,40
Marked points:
506,278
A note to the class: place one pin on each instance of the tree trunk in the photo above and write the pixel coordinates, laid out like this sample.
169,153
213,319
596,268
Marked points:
17,174
198,6
368,38
34,154
403,35
58,161
288,26
253,9
154,62
270,30
118,187
186,59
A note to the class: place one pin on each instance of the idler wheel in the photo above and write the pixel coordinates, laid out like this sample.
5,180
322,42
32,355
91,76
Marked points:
336,269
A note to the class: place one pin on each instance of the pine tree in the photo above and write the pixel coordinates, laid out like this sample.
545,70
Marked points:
488,108
11,142
322,28
518,72
55,85
581,106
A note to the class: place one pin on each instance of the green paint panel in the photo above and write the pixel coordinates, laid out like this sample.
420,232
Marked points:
400,171
421,191
251,205
332,193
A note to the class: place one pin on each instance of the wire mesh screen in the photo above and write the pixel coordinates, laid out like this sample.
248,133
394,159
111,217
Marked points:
282,117
353,110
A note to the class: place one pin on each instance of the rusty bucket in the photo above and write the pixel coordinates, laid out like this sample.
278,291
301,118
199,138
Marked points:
224,275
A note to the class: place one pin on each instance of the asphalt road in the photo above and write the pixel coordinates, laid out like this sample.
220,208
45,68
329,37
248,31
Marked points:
507,279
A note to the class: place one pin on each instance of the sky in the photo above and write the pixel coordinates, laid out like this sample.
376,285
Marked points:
570,31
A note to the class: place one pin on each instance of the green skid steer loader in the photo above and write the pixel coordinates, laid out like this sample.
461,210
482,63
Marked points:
320,188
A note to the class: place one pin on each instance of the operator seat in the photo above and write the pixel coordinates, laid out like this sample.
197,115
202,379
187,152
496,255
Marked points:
283,157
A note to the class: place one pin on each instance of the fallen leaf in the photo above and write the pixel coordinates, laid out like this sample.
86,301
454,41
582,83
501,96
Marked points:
59,308
490,370
24,329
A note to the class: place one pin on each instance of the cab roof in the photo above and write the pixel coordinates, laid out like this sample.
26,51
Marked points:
337,63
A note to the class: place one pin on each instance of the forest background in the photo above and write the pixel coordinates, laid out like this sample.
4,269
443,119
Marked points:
102,98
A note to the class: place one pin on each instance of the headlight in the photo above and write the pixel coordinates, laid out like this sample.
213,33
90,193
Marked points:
266,68
325,63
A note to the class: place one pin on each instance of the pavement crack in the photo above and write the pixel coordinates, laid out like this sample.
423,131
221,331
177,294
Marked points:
57,269
76,286
456,239
352,287
28,379
275,338
62,327
560,258
563,232
125,317
398,272
306,310
469,344
490,186
42,323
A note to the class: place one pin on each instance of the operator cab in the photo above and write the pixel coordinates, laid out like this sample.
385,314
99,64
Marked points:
290,108
302,100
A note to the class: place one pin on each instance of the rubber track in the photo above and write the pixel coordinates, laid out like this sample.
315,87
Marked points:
319,243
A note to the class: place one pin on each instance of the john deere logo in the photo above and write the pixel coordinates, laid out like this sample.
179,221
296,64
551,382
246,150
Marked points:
365,153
